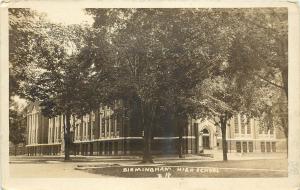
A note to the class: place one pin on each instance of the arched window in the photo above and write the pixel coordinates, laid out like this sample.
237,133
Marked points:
205,131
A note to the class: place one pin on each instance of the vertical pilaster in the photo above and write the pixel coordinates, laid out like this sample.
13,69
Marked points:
109,125
100,125
81,129
105,125
32,129
97,124
201,142
49,131
29,130
36,128
84,128
115,126
239,123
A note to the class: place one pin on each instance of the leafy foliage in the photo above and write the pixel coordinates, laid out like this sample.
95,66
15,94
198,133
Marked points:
17,125
164,64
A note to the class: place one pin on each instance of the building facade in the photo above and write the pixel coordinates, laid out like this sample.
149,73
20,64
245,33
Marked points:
243,136
105,132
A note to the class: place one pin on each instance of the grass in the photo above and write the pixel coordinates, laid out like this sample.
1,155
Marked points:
272,164
234,169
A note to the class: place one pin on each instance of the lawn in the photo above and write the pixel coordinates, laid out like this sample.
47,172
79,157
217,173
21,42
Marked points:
235,169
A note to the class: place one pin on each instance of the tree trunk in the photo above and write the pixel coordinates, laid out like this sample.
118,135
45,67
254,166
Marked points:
180,146
147,157
286,90
284,74
287,146
147,121
224,142
180,127
284,123
16,150
67,136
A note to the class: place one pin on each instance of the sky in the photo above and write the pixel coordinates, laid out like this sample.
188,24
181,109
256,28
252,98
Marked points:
66,15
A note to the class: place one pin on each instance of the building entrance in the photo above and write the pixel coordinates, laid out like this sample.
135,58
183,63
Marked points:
205,139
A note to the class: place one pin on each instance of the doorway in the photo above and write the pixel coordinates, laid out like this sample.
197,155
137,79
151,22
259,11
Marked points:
205,139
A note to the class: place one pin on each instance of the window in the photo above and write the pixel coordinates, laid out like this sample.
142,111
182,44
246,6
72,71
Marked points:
112,122
245,147
84,129
194,130
238,146
273,146
195,126
236,124
103,125
242,125
77,130
248,126
250,145
119,123
262,146
266,129
268,144
271,129
93,127
106,124
88,129
261,126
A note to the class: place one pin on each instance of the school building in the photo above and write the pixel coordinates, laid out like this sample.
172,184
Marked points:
104,133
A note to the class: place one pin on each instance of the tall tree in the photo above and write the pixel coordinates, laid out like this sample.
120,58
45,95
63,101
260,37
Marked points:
225,94
260,48
187,60
153,72
24,31
259,54
17,125
59,80
222,101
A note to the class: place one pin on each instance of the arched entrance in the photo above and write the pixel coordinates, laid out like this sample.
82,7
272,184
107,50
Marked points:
205,139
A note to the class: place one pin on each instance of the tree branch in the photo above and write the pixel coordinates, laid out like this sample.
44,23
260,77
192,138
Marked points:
270,82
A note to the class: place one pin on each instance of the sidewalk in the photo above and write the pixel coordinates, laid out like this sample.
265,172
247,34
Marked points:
158,159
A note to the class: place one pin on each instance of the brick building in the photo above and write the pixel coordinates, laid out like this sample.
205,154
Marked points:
104,133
